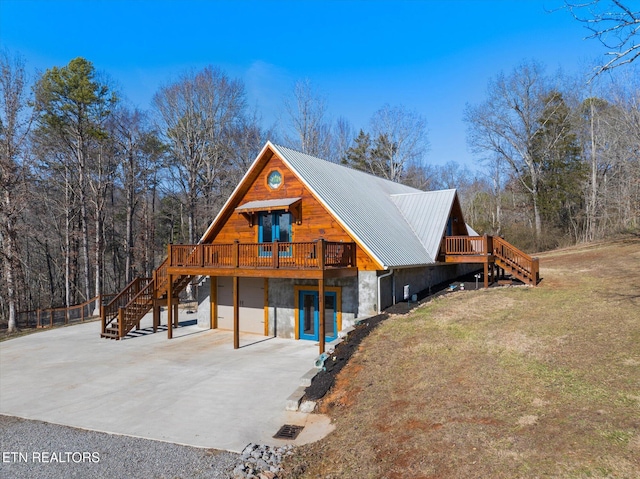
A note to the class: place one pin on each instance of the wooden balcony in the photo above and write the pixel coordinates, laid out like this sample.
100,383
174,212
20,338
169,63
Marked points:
314,259
468,249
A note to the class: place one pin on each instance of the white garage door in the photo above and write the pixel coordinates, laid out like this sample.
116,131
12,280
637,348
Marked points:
251,304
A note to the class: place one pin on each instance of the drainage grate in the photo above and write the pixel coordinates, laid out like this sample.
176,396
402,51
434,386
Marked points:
288,431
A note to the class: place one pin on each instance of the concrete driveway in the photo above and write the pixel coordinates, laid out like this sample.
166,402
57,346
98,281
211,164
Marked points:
194,389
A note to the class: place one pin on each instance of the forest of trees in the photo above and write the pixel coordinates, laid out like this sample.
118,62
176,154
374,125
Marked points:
93,190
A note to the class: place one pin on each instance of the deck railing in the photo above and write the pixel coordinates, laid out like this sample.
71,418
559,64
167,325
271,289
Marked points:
468,245
495,250
277,255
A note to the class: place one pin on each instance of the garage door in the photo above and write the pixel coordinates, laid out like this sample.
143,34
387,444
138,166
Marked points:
251,304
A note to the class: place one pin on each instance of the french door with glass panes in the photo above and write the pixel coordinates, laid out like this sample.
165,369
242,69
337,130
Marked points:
310,319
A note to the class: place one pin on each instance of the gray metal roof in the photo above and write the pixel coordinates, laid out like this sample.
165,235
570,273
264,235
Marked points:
427,213
396,224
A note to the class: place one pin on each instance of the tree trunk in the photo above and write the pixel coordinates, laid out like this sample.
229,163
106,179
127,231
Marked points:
98,258
591,216
536,216
129,236
67,241
84,222
10,251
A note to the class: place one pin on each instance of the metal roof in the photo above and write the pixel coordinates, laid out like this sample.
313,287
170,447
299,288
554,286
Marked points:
427,213
396,224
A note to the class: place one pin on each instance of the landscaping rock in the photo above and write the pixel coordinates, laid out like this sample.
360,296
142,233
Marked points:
261,461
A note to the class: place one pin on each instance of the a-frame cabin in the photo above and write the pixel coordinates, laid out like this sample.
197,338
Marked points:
304,245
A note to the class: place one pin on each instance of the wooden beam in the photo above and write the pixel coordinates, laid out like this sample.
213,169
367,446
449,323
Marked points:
468,258
292,273
321,313
236,312
170,307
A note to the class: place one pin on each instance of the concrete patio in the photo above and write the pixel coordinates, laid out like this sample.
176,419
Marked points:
194,389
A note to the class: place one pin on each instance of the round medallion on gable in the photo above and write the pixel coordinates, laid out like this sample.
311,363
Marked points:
274,180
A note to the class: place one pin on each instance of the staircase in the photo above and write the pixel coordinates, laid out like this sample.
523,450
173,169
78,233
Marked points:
126,310
515,262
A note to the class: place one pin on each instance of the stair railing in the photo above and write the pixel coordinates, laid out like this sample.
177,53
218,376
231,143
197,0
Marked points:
129,315
516,259
109,312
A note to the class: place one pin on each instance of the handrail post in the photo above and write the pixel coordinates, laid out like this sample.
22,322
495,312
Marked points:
120,322
169,258
201,250
275,253
236,253
321,253
103,319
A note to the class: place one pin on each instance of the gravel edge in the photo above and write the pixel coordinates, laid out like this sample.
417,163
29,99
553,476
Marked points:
35,449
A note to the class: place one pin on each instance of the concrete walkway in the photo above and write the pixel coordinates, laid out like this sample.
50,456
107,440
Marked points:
194,389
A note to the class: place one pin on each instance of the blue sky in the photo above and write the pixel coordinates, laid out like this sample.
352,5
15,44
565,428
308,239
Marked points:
430,56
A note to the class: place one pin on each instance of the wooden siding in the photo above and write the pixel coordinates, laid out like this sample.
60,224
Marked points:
316,221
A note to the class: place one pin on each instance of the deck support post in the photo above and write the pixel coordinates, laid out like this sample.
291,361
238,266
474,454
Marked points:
156,317
170,307
321,314
236,312
213,302
486,275
120,323
154,301
176,320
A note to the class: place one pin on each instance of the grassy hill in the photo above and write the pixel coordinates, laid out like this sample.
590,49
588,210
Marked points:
509,382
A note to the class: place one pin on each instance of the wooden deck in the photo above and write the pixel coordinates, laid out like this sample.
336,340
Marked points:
315,259
493,252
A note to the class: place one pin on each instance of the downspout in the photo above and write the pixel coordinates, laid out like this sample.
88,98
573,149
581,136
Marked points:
379,278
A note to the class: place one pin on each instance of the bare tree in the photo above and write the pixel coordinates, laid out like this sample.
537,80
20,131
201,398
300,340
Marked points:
615,23
623,179
197,116
400,139
15,121
311,133
342,137
509,123
137,152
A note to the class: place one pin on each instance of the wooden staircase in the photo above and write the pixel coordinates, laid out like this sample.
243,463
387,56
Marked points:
125,311
494,251
515,262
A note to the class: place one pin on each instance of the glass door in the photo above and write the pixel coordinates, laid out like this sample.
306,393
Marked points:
310,319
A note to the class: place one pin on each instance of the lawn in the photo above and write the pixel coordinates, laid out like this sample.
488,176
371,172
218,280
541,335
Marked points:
505,382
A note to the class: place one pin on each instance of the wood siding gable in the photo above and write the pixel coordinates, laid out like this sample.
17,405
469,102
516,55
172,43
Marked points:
315,221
